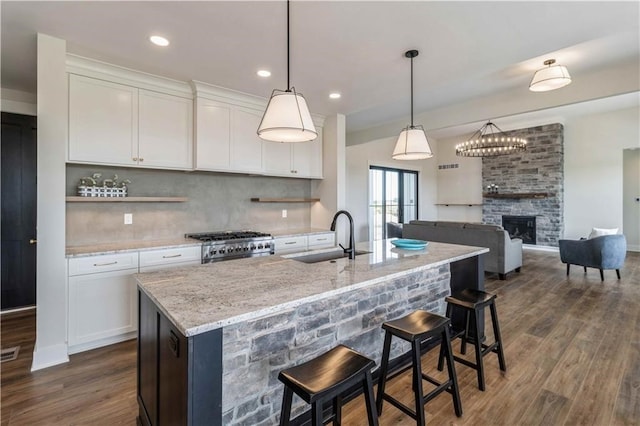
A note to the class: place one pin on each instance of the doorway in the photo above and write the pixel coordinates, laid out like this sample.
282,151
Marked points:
18,250
393,198
631,197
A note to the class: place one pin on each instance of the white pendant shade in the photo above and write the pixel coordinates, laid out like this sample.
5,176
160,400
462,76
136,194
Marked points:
287,119
550,78
412,145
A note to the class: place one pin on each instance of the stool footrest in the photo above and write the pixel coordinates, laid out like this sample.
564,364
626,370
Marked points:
465,362
399,405
490,348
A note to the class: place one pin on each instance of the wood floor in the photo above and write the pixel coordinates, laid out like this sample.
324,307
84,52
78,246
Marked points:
572,347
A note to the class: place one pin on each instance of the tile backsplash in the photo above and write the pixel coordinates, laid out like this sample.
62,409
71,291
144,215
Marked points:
216,202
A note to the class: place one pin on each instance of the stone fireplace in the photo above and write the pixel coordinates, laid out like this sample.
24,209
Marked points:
531,183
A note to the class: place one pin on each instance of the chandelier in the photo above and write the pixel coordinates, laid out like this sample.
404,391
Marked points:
490,141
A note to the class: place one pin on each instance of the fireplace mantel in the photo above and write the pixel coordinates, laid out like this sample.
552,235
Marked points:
519,195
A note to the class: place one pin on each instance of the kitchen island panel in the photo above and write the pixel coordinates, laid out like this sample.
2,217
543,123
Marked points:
255,351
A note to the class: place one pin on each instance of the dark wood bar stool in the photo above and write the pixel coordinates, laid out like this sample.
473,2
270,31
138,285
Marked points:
324,379
473,301
416,328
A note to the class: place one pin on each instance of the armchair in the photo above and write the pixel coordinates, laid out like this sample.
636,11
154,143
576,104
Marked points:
605,252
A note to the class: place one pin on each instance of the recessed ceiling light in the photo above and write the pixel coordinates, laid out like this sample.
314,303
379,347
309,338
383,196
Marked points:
264,73
335,95
159,41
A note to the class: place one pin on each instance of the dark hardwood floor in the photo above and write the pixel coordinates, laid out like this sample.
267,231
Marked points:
572,347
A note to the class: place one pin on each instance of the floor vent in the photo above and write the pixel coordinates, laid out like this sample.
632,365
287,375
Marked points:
9,354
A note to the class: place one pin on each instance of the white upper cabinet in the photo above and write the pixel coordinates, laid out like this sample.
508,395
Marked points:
103,121
118,124
300,159
213,135
165,125
246,146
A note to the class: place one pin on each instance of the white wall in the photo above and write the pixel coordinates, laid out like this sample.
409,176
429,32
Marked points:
332,189
461,185
378,153
17,102
593,169
51,274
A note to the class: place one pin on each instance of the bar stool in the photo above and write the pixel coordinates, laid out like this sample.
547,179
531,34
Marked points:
473,301
324,379
416,328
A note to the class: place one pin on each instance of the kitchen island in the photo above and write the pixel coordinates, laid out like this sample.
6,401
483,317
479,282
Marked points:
212,338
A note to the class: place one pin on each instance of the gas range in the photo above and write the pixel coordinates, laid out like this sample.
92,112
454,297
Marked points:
229,245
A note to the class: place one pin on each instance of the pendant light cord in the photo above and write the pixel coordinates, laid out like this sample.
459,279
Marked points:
412,92
288,81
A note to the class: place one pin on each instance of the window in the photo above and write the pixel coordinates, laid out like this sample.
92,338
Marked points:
393,197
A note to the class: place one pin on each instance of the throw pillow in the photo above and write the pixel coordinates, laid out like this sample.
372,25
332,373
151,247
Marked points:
598,232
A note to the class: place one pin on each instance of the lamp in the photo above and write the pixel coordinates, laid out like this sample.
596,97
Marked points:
490,141
550,78
412,143
287,117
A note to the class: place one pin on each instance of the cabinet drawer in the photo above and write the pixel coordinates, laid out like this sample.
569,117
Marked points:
322,240
170,256
103,263
290,244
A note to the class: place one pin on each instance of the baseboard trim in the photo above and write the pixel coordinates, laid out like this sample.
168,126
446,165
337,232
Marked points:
14,310
101,342
49,356
540,248
633,247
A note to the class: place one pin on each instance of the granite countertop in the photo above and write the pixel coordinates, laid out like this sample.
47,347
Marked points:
200,298
127,246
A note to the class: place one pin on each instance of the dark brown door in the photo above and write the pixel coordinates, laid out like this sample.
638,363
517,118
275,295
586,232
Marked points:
18,211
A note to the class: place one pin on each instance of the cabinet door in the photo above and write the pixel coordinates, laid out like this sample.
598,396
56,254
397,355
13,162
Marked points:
166,131
148,359
307,158
103,119
102,309
246,146
173,362
277,158
213,135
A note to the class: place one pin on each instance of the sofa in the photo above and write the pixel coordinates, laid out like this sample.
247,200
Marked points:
505,254
604,252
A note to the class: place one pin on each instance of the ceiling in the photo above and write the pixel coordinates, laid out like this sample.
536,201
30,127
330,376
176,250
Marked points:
467,49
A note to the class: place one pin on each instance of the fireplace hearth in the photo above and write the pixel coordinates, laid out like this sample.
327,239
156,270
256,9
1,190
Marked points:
523,227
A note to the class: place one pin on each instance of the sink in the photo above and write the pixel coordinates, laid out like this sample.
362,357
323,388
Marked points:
324,256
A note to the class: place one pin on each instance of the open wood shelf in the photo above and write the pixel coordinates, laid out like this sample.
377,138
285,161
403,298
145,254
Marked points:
76,199
519,195
284,200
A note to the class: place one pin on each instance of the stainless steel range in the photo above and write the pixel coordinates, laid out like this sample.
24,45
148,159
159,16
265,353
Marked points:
218,246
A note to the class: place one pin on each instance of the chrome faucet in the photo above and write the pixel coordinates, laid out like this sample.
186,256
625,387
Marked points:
351,250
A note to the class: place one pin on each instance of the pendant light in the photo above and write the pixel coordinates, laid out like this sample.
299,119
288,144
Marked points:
490,141
287,117
412,143
550,78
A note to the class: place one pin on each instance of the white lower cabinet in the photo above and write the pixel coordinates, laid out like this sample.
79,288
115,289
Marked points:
103,297
296,243
102,300
293,244
155,260
318,241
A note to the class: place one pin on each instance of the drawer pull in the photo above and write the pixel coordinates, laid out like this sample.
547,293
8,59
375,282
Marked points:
173,255
105,264
291,242
321,239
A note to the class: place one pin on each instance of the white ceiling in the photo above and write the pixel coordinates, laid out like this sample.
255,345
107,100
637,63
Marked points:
467,49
